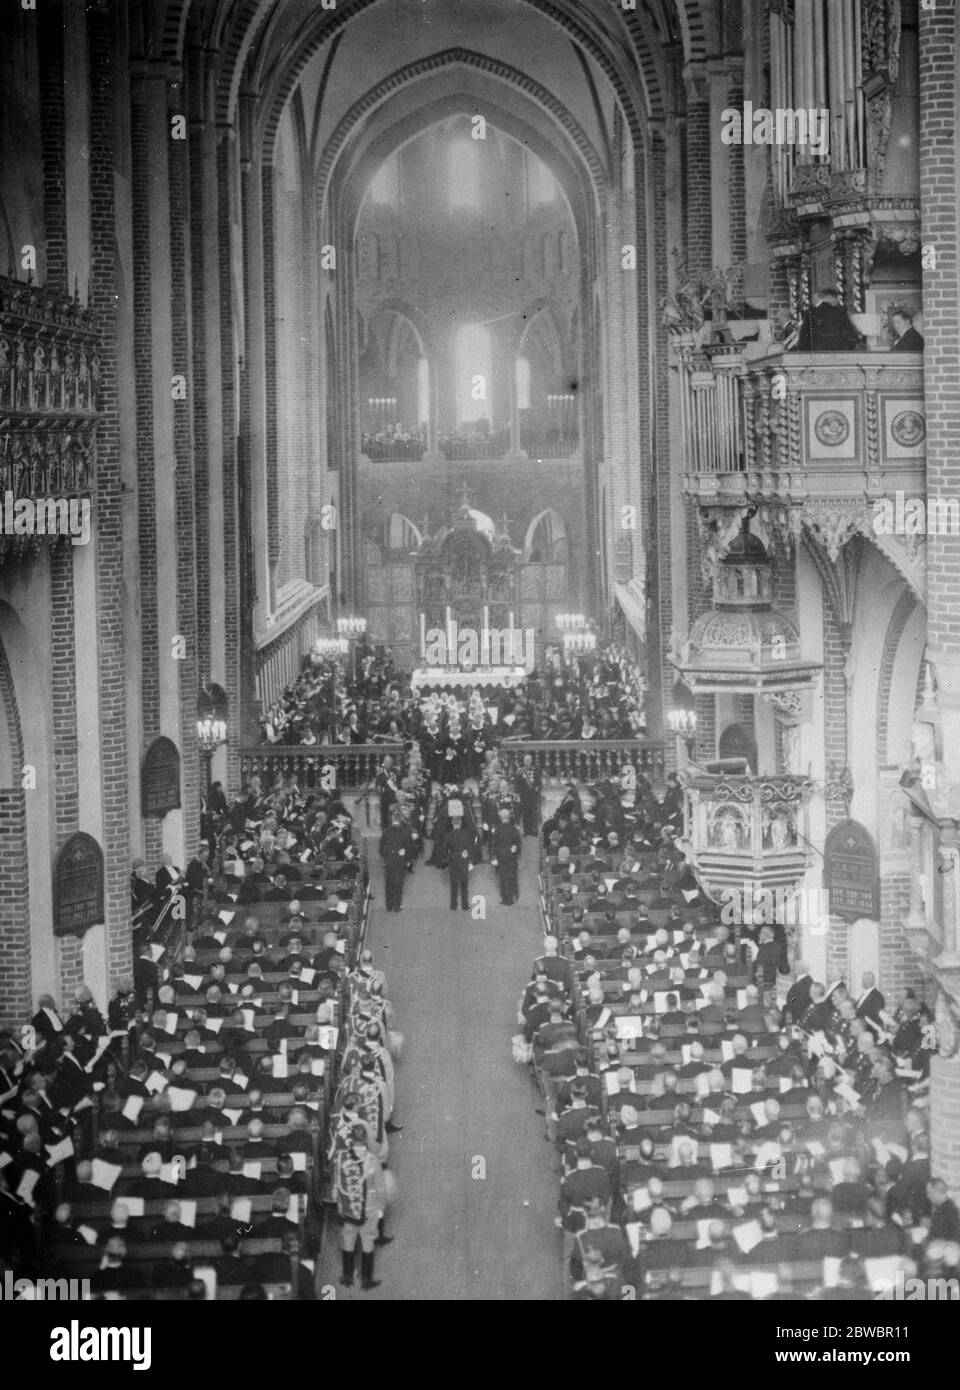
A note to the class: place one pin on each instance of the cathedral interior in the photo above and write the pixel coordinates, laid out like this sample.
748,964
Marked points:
340,317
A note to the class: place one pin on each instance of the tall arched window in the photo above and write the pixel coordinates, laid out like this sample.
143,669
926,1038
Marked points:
523,383
473,366
423,393
385,184
541,185
463,173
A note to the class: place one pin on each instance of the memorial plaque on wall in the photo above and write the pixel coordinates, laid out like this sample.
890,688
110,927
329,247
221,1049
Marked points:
78,886
851,871
160,779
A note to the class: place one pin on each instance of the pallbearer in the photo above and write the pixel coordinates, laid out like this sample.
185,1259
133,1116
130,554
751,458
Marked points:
505,856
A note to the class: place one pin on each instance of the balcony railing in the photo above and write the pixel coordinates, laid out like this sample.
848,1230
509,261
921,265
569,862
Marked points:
749,828
796,425
317,766
398,452
584,760
468,450
322,766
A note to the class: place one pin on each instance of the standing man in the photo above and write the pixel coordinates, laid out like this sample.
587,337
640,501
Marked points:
870,1003
528,790
361,1195
195,883
505,848
397,850
386,785
459,849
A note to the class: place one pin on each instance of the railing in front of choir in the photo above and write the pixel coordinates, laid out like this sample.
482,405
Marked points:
585,760
329,767
317,766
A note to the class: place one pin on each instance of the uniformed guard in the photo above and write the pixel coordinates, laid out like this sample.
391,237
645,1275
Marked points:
397,850
505,856
459,846
528,790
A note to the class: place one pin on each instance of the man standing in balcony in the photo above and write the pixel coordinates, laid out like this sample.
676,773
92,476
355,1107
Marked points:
826,328
905,336
528,790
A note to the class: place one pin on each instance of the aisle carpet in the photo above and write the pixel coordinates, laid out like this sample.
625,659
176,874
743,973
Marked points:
477,1191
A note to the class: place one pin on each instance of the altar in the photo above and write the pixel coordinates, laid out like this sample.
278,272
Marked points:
437,677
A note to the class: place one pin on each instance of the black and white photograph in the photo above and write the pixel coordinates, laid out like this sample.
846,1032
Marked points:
479,671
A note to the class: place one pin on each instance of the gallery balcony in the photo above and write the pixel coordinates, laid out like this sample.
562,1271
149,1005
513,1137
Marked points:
797,433
748,828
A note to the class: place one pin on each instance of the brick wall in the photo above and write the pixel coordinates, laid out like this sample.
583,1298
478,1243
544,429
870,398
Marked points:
108,87
945,1121
15,1001
199,387
835,750
52,135
69,950
939,184
228,395
699,203
182,343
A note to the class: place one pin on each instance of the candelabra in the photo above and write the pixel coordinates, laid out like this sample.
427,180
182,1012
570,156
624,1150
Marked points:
579,643
570,622
682,718
331,646
211,723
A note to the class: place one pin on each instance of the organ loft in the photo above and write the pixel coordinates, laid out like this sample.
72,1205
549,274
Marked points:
507,447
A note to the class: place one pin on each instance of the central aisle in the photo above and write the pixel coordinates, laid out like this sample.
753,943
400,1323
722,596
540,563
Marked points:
464,1103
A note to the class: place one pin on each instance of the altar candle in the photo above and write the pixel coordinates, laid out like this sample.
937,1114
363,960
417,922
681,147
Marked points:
485,638
450,653
423,639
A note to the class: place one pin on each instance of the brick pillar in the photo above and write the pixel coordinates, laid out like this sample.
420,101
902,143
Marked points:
69,949
945,1121
835,651
15,992
180,238
268,186
52,139
699,205
199,231
143,371
107,87
939,30
233,681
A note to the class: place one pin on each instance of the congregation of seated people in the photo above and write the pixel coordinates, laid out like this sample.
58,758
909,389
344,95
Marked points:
176,1147
725,1125
582,698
